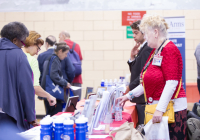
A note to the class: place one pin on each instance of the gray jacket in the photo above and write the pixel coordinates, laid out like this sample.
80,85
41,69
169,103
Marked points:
55,72
197,55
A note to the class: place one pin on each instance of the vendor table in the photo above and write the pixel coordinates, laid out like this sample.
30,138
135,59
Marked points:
129,108
129,114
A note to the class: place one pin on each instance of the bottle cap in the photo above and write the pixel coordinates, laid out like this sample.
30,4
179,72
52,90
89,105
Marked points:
85,118
58,120
45,122
68,122
80,121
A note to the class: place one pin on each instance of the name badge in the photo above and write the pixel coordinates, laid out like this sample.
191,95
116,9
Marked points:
157,60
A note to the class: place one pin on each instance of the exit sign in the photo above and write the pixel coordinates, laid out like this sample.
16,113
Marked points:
129,32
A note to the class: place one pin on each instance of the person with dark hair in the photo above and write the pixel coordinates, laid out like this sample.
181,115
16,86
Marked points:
60,51
136,62
49,45
17,98
32,46
68,70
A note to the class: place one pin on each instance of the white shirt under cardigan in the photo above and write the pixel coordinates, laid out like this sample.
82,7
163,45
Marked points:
170,87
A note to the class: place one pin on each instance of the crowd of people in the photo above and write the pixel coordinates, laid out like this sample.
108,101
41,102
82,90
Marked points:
156,74
23,76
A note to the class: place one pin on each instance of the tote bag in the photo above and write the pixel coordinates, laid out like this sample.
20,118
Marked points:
127,132
55,90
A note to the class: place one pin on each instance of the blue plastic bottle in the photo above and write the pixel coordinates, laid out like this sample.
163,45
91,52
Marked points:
102,83
86,128
45,130
68,130
80,129
58,134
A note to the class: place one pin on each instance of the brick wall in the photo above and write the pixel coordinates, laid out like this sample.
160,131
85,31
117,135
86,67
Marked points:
102,39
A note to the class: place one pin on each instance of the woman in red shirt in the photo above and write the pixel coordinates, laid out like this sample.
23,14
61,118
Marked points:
161,76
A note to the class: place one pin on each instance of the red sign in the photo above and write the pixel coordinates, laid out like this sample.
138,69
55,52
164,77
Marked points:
128,17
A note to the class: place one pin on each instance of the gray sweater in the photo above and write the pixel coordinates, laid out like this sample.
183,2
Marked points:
197,55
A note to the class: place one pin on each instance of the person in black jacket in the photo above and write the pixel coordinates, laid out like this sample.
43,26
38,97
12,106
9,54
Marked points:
67,66
60,51
136,63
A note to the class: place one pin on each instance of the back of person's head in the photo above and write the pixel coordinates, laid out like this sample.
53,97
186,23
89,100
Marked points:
14,30
66,34
61,46
135,25
63,36
51,40
34,38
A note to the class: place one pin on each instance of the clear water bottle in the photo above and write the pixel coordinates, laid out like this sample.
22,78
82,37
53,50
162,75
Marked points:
68,130
118,113
115,82
110,85
45,130
106,83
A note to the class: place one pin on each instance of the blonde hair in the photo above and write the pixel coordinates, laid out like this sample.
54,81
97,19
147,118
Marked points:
154,22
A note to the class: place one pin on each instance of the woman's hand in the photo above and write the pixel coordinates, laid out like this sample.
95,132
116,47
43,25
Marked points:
122,100
51,100
157,116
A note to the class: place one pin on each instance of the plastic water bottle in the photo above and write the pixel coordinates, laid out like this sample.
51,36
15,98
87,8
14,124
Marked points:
58,134
118,113
80,129
86,127
119,82
45,130
68,130
102,83
115,82
50,119
106,83
110,85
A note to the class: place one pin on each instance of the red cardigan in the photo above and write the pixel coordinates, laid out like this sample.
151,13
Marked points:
156,76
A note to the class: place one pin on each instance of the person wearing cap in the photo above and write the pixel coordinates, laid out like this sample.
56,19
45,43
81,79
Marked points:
32,46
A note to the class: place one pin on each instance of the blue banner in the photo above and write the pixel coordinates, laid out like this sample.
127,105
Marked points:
176,33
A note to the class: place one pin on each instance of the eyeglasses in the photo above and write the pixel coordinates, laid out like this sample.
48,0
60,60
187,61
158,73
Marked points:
22,42
38,48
